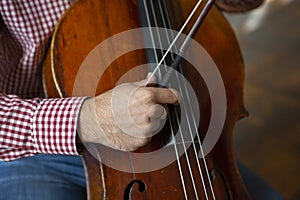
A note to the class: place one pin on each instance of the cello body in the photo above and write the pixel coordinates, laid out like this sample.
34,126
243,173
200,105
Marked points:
88,23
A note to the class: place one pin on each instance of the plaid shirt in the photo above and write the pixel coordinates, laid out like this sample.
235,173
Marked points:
30,124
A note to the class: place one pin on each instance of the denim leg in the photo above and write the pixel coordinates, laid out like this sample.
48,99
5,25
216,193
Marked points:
43,177
257,188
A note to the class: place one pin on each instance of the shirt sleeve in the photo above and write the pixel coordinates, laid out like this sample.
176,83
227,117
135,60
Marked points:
32,126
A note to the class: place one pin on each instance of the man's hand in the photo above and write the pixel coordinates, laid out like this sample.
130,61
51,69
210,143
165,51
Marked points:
125,117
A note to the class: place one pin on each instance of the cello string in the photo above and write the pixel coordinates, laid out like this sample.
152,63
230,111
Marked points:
204,160
152,39
195,126
184,106
175,39
154,14
200,146
178,162
169,119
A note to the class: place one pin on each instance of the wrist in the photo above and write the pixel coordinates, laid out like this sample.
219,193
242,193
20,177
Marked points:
87,127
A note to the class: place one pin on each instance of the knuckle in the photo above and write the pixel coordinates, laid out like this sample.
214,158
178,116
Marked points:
143,141
154,110
174,95
135,144
148,95
147,129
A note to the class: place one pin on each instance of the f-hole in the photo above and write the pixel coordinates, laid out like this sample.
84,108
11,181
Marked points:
130,187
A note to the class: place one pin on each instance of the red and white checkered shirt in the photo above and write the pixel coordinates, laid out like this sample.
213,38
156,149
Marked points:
30,124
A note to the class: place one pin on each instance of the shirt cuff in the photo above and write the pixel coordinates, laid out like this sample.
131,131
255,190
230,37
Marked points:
55,124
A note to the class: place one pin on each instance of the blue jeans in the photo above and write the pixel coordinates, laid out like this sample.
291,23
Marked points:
43,177
55,177
257,188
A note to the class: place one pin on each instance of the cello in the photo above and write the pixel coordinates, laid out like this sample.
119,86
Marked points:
198,172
